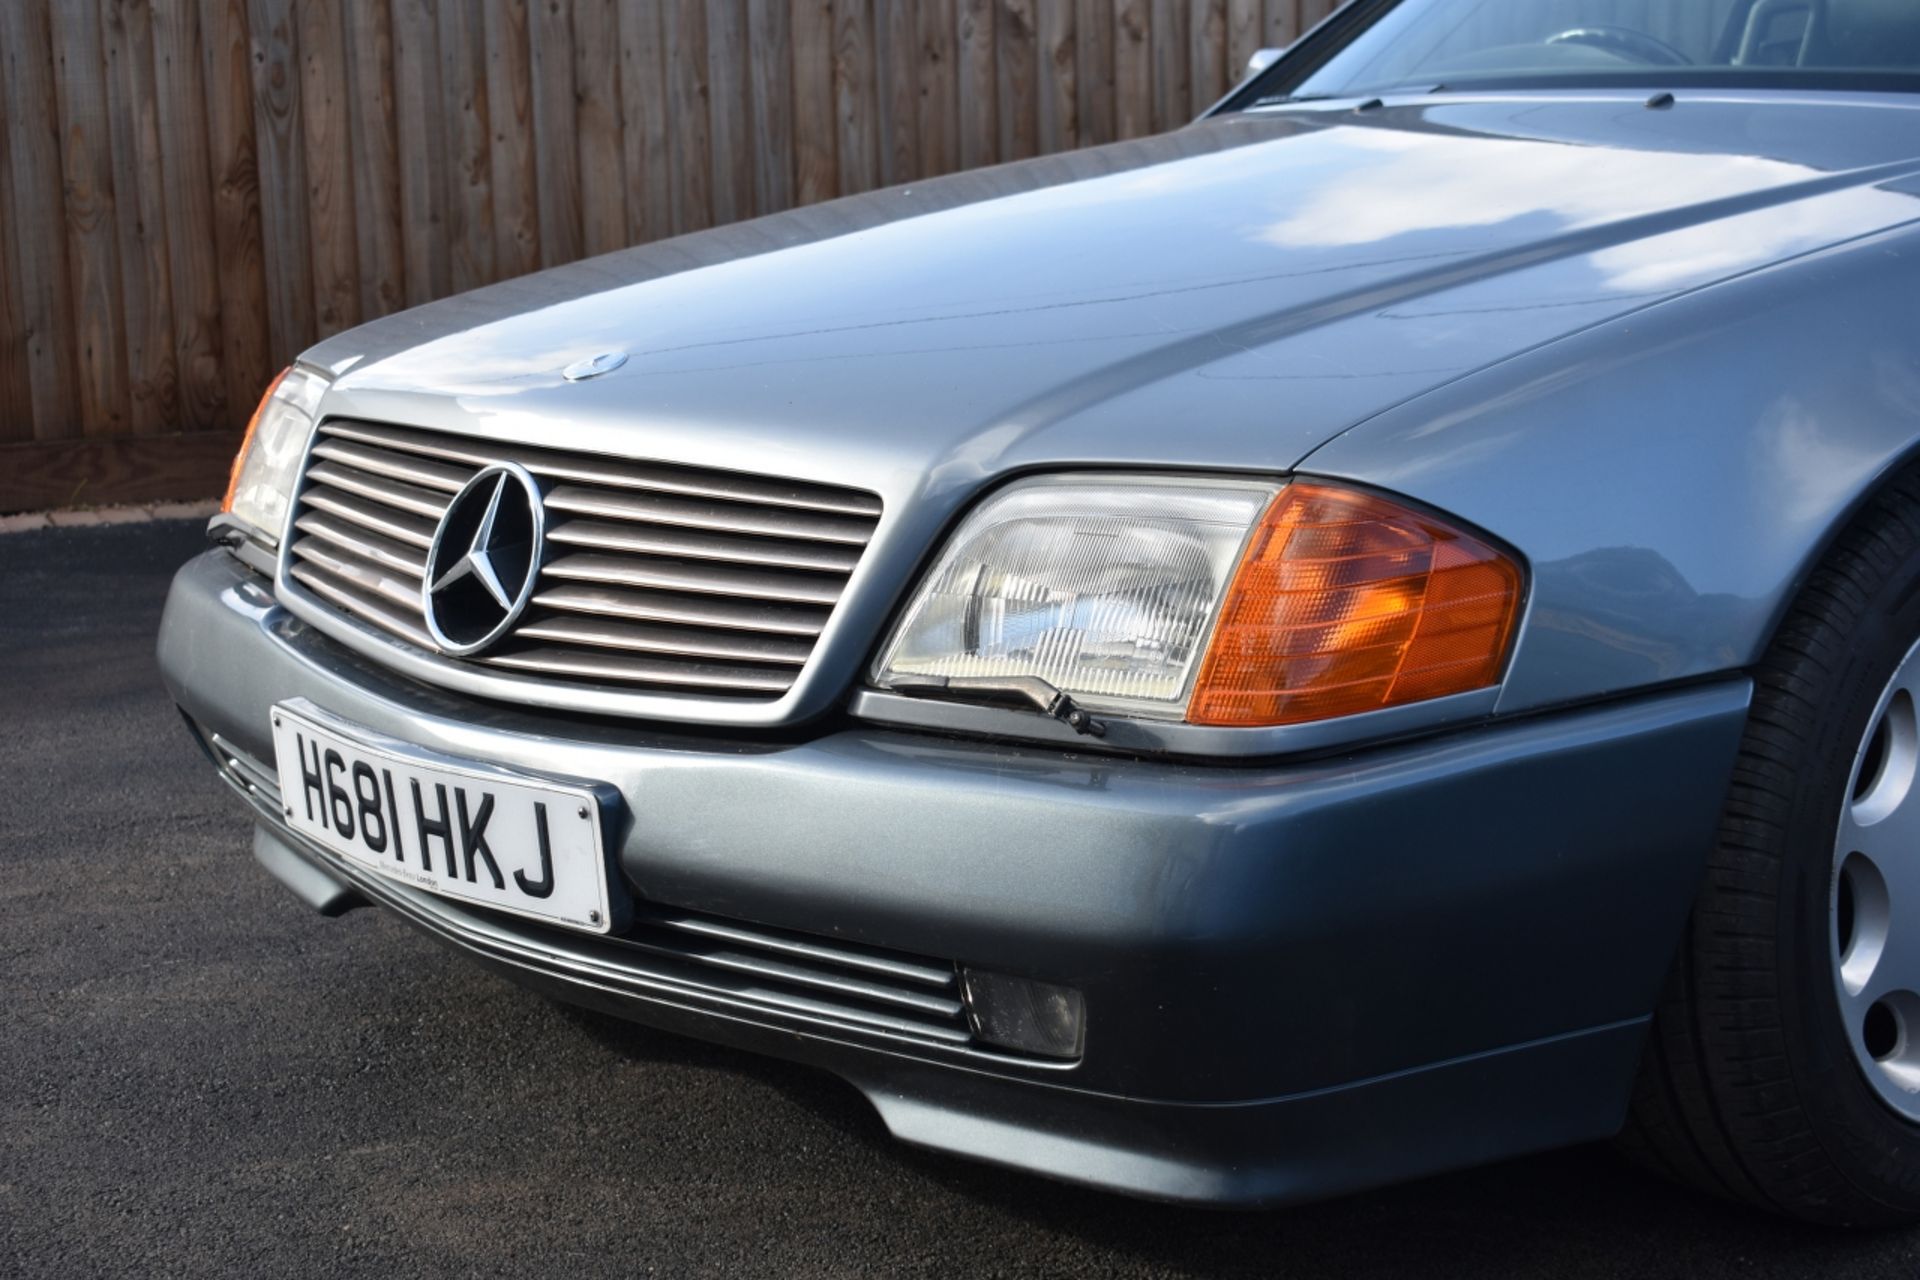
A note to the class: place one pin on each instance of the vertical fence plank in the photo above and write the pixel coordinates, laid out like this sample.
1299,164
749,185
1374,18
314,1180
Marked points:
420,151
467,133
1059,95
140,216
855,98
1206,54
233,160
180,96
979,89
1283,23
1172,68
1014,51
283,178
1244,36
815,139
770,46
689,121
643,108
1094,23
330,210
897,83
555,135
596,81
730,106
1133,67
16,392
516,205
93,257
29,188
938,109
372,116
16,387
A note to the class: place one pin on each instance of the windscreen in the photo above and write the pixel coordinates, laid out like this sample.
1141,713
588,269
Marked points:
1455,44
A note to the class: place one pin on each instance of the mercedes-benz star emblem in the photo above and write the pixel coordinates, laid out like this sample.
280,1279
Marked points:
594,366
484,559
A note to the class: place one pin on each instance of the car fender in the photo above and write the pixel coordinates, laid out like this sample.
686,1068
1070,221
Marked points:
1671,477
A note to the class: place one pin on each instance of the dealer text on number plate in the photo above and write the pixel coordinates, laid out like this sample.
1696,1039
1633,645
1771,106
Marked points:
461,830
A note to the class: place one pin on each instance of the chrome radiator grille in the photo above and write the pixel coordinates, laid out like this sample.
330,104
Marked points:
655,578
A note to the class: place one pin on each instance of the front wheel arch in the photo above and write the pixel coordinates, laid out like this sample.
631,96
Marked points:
1748,1086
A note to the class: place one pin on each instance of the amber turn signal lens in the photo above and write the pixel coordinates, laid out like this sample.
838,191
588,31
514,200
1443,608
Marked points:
1345,603
246,441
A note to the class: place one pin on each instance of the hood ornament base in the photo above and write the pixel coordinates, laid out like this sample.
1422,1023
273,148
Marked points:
594,366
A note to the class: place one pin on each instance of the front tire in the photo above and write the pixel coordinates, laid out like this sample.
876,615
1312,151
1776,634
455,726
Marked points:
1783,1068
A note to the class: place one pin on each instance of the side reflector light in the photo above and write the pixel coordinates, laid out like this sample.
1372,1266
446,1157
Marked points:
1346,603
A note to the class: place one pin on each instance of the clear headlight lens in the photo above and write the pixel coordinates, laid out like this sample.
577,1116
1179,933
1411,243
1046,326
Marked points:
264,470
1106,587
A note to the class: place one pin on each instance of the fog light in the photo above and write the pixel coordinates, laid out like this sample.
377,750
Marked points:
1018,1013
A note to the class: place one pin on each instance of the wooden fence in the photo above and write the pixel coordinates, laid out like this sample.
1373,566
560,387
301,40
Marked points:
191,191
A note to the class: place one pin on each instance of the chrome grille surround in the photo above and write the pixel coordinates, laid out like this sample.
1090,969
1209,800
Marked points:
705,589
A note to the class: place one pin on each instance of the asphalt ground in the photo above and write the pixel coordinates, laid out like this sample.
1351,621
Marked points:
200,1078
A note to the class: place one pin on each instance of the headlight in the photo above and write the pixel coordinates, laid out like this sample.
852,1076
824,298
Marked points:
1233,603
1105,587
263,471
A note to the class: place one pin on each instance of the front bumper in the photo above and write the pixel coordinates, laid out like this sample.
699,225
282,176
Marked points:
1301,978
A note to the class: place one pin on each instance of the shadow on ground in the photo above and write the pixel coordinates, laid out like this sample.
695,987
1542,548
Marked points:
1579,1212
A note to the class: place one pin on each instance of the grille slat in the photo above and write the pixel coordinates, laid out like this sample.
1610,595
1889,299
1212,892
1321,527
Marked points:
649,509
409,498
258,779
620,668
365,543
654,576
364,575
422,472
371,608
663,540
609,633
397,525
690,610
799,975
589,469
772,995
892,965
680,575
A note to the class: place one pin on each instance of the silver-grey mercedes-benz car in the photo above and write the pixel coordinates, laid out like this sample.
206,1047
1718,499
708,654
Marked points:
1372,633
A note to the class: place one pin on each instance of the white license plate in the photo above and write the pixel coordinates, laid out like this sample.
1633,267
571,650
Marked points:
462,829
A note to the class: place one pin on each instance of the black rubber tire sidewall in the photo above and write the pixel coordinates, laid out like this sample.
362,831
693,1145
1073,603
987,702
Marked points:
1866,637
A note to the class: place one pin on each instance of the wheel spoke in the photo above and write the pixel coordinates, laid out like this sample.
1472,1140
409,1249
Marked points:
1893,846
1885,782
1879,903
1897,970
